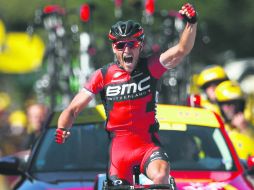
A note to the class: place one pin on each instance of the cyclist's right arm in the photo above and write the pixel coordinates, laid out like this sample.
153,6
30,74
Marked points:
69,114
79,102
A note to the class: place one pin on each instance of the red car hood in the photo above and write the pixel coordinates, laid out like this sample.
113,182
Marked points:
211,181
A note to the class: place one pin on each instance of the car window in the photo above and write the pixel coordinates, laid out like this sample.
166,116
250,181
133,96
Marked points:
85,150
197,148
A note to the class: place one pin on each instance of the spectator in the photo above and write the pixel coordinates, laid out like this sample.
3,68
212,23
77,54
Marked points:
231,101
17,131
4,125
17,122
36,115
189,149
4,104
208,79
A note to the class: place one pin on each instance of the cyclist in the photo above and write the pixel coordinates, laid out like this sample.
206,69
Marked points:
127,89
208,80
231,102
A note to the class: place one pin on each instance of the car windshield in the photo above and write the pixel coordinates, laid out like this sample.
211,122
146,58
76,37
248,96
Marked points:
85,150
197,148
188,148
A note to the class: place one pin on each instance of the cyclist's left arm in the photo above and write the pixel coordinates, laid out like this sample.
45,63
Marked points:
174,55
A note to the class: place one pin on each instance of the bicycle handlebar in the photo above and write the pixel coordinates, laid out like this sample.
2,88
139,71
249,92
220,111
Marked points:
140,187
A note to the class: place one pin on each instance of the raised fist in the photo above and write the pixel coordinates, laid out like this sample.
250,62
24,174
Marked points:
61,135
188,12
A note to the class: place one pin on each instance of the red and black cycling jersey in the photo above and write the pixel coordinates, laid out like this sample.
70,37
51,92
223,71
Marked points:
129,101
128,98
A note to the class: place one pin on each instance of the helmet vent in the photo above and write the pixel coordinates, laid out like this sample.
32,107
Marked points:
123,29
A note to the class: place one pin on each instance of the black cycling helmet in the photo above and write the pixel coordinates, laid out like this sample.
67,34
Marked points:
126,29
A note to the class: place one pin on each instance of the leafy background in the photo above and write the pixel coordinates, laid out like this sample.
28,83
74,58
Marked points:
225,31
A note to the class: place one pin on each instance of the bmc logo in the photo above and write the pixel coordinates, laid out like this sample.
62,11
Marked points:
131,88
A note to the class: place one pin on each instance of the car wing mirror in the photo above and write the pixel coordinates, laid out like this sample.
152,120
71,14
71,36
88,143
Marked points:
9,165
250,165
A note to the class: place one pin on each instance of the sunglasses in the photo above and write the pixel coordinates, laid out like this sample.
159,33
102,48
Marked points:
120,45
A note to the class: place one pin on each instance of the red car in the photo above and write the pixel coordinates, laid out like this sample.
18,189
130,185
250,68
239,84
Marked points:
201,155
